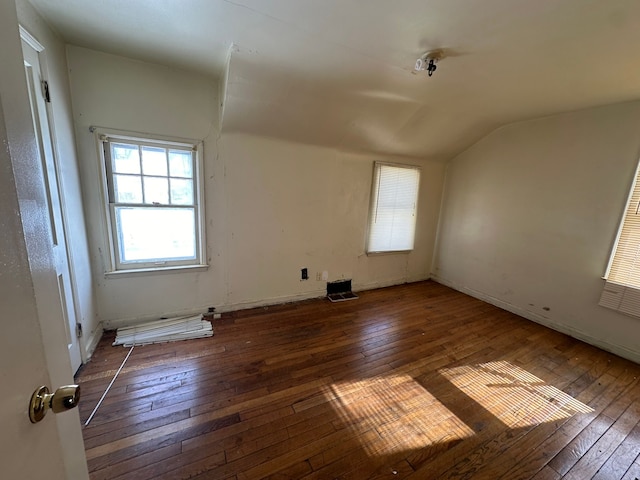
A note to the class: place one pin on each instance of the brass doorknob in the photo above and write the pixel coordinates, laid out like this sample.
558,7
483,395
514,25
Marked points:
64,398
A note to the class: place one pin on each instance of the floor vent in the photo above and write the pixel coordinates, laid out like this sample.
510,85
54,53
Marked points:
340,291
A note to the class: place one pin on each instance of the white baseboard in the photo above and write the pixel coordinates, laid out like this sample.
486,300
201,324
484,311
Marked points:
619,350
92,342
112,324
272,301
359,287
131,321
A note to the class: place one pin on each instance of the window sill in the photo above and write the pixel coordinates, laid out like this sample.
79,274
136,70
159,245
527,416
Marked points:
155,271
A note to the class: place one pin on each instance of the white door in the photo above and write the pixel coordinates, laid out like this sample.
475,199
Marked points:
33,350
38,93
52,448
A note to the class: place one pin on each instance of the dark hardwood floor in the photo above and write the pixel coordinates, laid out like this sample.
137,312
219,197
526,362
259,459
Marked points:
409,382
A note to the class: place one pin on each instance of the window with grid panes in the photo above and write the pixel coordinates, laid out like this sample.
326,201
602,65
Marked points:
153,202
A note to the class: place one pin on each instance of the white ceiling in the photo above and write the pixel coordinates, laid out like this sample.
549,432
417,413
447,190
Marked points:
340,72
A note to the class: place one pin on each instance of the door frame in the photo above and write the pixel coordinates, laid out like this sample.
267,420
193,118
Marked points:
33,42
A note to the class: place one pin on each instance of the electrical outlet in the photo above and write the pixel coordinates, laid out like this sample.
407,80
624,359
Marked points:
318,276
325,275
304,274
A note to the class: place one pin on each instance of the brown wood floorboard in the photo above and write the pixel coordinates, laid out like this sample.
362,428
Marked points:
410,382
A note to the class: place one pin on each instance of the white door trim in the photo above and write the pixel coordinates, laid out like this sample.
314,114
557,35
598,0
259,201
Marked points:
33,42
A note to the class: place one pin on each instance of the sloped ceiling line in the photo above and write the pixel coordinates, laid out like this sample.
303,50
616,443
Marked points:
339,72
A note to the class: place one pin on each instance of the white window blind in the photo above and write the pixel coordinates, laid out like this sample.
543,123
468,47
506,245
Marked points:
622,288
394,199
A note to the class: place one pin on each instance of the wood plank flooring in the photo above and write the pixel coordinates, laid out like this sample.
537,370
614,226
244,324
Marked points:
409,382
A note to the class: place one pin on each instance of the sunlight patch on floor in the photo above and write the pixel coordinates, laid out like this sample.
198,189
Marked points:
529,400
394,413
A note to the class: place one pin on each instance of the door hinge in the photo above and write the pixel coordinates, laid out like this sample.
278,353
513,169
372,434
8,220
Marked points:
45,91
79,330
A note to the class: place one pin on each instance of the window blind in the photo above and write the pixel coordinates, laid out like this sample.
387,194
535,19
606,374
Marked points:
622,287
394,198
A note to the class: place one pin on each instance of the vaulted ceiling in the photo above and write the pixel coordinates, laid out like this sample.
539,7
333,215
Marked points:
340,72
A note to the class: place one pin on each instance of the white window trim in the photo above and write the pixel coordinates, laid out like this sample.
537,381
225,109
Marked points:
112,269
373,202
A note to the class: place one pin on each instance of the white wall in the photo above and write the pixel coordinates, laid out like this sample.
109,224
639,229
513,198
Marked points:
119,93
272,207
530,215
292,206
71,196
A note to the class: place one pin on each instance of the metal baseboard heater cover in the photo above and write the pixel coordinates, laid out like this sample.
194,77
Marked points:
340,291
164,330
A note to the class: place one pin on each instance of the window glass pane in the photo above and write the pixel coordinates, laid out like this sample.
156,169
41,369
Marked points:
156,190
154,161
126,158
128,188
180,163
181,191
156,234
